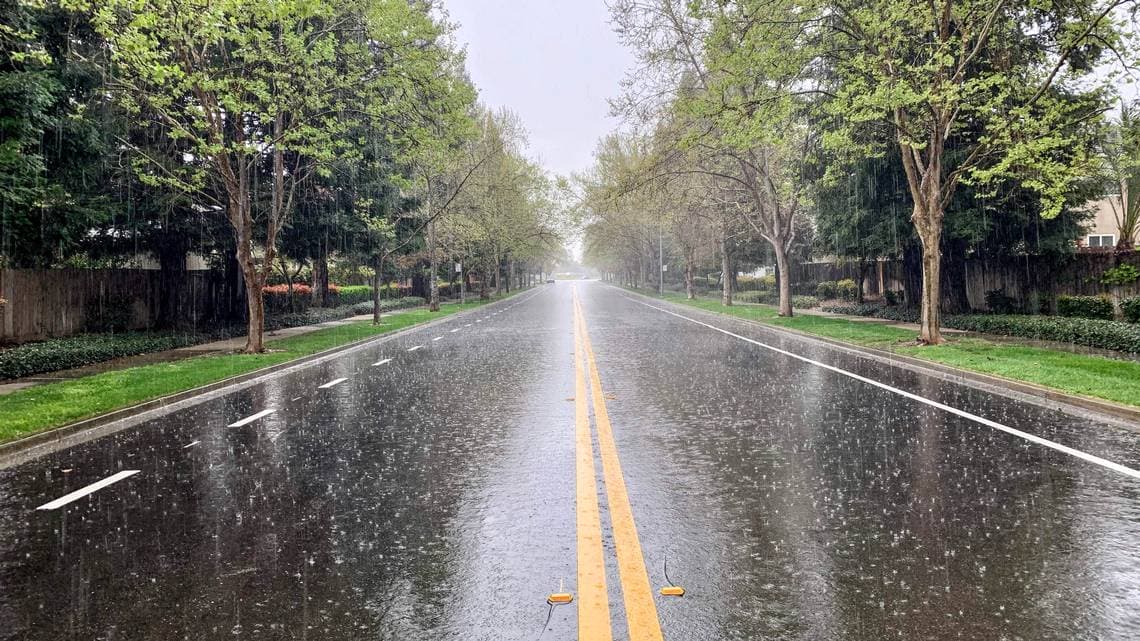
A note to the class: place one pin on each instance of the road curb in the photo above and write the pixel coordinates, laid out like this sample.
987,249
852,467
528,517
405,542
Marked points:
19,447
1037,393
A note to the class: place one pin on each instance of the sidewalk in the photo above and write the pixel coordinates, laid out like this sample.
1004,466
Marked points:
215,347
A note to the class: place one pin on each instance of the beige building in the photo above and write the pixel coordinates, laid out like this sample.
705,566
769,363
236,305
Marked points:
1102,231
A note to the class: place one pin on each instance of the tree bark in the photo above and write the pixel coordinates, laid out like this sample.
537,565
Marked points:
930,233
785,309
377,280
433,276
321,278
689,260
725,276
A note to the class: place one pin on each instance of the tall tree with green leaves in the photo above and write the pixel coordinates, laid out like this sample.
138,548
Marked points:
971,77
270,91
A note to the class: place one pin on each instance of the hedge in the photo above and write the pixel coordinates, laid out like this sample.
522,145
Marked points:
1102,334
350,294
1131,307
85,349
1085,307
845,289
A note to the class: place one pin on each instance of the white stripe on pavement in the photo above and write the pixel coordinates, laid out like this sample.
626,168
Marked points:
191,444
90,489
412,349
437,338
249,419
455,330
335,381
383,362
1085,456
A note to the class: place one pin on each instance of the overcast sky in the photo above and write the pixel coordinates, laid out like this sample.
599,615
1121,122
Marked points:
553,62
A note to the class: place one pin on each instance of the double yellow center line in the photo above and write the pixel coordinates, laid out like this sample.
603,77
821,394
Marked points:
593,601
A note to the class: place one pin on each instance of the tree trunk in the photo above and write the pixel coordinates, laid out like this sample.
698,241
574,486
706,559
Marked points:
785,281
689,260
433,276
321,279
254,297
929,227
725,276
377,280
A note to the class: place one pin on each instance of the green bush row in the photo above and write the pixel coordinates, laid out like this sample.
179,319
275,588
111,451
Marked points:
1131,307
845,289
84,349
1085,307
1102,334
773,298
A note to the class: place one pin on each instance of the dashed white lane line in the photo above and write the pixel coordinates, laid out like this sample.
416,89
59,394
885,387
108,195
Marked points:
191,444
437,338
467,325
382,362
1084,456
84,491
249,419
479,321
335,381
412,349
455,330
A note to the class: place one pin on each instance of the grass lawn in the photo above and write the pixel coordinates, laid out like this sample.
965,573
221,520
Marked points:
1087,375
46,406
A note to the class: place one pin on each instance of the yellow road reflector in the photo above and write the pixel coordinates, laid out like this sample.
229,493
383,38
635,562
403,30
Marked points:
673,590
559,597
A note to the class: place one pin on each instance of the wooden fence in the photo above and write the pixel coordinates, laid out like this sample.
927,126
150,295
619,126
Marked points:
61,302
1032,281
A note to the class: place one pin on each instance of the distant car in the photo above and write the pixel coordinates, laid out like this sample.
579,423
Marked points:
549,280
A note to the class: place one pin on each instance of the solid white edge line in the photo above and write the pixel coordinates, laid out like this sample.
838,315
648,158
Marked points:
249,419
335,381
412,349
1091,458
84,491
383,362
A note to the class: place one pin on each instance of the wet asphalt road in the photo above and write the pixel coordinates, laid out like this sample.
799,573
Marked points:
433,496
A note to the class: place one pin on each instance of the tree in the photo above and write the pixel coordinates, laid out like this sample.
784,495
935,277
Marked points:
1121,153
734,107
923,74
258,88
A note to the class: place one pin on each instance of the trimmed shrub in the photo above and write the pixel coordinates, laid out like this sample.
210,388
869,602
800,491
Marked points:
1102,334
847,289
767,282
826,290
84,349
757,296
892,297
1131,307
998,303
1098,307
805,302
351,294
277,297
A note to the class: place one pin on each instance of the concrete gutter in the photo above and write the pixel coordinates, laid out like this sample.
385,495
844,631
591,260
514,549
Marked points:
1125,415
41,443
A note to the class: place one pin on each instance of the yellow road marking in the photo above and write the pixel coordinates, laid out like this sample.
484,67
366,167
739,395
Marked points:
593,600
640,610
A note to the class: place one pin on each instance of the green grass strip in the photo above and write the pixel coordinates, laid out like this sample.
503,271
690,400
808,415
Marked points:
1083,374
43,407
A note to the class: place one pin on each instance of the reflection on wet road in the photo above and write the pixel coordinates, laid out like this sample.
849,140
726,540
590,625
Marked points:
438,485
